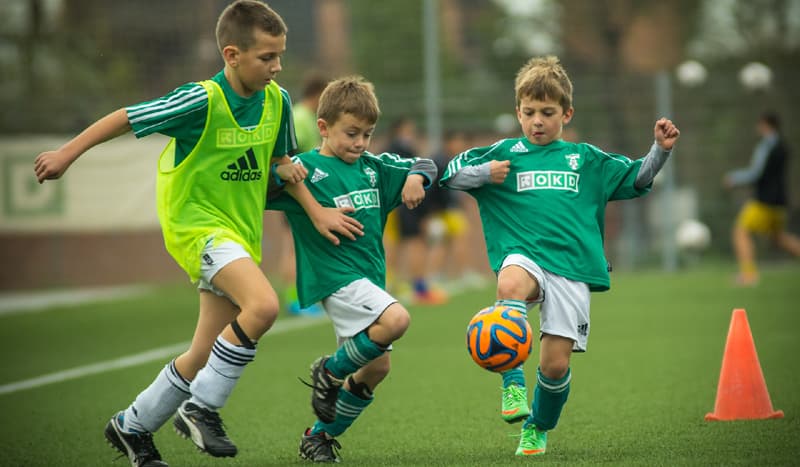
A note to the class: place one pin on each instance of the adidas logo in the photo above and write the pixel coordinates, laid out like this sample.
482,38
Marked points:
245,169
519,147
318,175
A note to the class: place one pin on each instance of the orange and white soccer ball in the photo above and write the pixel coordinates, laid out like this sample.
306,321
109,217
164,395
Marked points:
499,338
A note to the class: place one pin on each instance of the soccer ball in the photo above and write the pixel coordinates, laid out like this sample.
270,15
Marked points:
692,235
499,338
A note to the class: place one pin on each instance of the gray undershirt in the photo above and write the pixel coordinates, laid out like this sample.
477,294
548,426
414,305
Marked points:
478,175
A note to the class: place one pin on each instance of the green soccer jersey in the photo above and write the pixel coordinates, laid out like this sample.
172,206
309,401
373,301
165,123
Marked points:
372,185
551,206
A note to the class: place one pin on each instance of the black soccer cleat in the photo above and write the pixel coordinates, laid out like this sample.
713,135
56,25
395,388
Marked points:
325,391
319,447
204,428
137,447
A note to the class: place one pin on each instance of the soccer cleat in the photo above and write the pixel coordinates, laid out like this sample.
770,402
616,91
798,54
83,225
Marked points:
747,279
325,391
138,447
514,406
430,296
319,447
204,428
532,442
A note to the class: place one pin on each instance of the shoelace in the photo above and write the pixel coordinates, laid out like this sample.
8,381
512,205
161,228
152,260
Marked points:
213,422
514,392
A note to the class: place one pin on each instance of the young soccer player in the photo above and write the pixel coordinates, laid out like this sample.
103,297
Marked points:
212,185
349,280
542,202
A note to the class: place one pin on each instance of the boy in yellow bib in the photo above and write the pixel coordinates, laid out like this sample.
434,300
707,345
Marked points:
230,134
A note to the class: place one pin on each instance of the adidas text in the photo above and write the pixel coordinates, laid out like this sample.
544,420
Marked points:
241,175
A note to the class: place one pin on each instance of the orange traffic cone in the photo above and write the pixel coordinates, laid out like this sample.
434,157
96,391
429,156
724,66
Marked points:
742,392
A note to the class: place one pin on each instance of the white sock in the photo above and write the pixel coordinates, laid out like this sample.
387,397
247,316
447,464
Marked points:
153,406
215,381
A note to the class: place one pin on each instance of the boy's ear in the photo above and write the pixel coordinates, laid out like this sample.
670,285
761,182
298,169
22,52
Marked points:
322,125
230,53
568,115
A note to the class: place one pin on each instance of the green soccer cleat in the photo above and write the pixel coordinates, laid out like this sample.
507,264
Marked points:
514,406
532,442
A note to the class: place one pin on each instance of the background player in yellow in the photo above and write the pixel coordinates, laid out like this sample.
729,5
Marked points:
765,212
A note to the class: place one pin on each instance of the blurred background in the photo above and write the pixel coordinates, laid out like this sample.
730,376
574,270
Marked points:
711,65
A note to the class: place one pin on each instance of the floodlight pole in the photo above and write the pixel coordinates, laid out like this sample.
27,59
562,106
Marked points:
433,94
669,250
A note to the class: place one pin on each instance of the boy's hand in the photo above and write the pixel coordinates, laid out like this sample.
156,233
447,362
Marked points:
666,133
51,165
291,173
413,191
498,171
330,221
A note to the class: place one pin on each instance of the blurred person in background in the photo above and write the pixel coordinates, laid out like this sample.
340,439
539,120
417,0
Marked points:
765,212
447,225
405,239
305,126
229,135
542,203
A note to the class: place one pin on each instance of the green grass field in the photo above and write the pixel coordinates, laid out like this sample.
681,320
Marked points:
638,396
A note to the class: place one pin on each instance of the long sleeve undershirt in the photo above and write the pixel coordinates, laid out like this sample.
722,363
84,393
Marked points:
475,176
752,172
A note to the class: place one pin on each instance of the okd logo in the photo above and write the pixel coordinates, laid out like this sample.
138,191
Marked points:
235,138
362,199
547,180
245,169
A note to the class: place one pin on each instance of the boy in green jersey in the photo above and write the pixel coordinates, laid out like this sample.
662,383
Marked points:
211,188
542,203
349,280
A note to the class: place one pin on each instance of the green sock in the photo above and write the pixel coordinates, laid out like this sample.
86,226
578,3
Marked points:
518,305
548,400
353,354
348,408
513,376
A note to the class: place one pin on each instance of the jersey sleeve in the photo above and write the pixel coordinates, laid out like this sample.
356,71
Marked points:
287,139
393,170
619,175
176,114
469,158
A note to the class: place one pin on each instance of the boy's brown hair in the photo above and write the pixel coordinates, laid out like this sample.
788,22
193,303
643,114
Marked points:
352,95
544,78
238,20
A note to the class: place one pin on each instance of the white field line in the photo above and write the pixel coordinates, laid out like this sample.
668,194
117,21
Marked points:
136,359
31,302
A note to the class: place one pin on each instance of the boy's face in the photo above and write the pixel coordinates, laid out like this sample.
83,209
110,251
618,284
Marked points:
542,121
346,139
255,67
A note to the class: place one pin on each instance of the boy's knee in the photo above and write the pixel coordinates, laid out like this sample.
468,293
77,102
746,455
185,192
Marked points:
396,320
263,310
517,287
